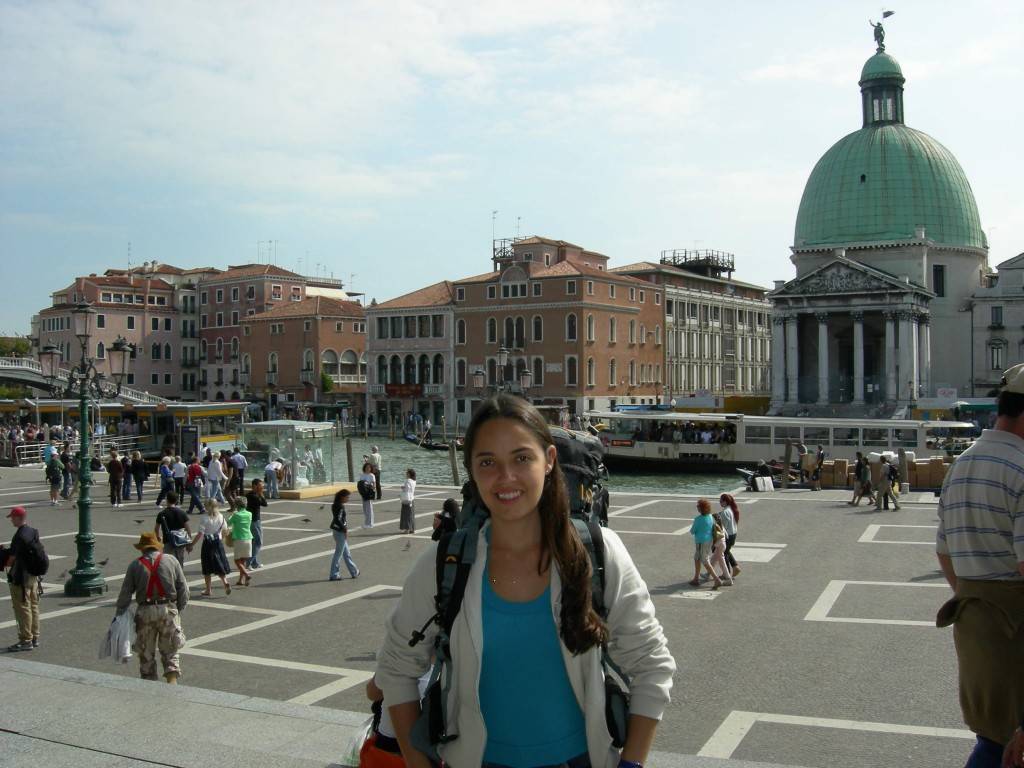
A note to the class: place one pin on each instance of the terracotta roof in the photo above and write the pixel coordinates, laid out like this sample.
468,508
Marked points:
436,295
145,269
254,270
123,281
310,307
537,239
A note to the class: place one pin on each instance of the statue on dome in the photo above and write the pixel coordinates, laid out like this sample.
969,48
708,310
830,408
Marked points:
879,34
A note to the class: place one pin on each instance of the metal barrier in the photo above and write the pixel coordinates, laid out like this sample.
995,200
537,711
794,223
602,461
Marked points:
29,454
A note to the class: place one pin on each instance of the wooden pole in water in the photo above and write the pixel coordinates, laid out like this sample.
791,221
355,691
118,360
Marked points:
453,457
444,429
348,459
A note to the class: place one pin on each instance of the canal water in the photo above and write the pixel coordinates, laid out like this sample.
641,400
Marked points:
434,468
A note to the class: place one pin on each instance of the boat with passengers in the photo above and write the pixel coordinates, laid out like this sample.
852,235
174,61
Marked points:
665,440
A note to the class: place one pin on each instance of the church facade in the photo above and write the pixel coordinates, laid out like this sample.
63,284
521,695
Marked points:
888,250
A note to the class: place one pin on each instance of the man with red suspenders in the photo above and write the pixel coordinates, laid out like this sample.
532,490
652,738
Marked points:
158,585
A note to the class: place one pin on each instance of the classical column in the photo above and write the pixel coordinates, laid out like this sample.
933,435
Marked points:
908,356
858,357
792,361
778,359
924,342
891,393
822,357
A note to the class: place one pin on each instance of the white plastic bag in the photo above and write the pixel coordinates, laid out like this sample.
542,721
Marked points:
350,755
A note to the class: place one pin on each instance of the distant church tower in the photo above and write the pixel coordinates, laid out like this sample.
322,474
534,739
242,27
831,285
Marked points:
888,249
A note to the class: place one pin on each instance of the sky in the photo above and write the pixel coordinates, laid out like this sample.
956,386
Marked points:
387,142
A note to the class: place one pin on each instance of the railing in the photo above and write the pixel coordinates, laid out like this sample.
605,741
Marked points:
306,377
243,378
272,378
31,453
347,378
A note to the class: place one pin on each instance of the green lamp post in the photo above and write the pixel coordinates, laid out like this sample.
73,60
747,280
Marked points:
86,381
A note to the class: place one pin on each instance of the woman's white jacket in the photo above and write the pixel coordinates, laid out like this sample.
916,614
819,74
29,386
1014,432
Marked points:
637,646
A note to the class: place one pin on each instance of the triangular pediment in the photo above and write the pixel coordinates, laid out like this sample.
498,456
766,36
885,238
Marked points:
844,277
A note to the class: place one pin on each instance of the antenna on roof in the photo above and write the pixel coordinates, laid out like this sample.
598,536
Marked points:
129,256
518,219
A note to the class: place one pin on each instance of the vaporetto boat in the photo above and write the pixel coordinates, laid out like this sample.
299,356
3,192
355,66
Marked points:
664,440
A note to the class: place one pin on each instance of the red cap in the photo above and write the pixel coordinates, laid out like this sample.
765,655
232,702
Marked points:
17,512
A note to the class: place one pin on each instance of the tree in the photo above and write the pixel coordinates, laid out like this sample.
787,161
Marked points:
326,383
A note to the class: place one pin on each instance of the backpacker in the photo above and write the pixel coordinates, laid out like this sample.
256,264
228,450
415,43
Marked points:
35,560
456,553
580,455
894,473
54,473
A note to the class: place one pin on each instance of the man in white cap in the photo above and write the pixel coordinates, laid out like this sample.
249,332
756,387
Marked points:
158,585
24,587
980,547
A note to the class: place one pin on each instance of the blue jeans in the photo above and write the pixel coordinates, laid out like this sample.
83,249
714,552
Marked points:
270,478
341,552
986,754
213,491
257,542
194,500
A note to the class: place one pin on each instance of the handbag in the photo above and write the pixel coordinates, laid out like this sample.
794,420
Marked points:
229,540
180,538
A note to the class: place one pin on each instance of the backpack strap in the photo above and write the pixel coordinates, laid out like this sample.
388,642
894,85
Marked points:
154,580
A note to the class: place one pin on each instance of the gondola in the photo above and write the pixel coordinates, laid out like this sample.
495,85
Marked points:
432,445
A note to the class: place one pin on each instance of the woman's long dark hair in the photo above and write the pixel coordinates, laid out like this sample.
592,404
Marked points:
725,498
581,628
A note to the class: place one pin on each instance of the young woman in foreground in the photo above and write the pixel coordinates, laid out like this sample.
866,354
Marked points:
526,646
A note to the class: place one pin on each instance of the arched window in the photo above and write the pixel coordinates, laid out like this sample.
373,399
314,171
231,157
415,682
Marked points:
234,347
613,330
538,372
997,354
492,331
202,348
395,370
571,372
409,372
591,371
307,360
272,362
632,332
348,365
520,338
382,369
643,333
246,364
570,327
591,330
657,335
509,339
167,351
329,362
154,353
460,331
101,351
423,370
538,328
460,373
632,373
437,375
613,372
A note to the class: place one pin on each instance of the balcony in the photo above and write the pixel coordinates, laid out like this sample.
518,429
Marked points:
190,333
202,382
243,379
433,389
189,363
513,342
219,383
272,379
235,381
377,389
306,376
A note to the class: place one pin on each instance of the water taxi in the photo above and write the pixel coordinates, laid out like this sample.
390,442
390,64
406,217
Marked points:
663,440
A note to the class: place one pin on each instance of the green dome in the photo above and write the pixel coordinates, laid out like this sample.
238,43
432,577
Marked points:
881,65
880,183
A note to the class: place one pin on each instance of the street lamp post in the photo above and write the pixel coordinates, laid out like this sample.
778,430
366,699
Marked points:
480,377
85,381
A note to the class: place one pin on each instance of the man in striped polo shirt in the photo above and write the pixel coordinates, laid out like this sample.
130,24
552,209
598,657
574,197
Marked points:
980,546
